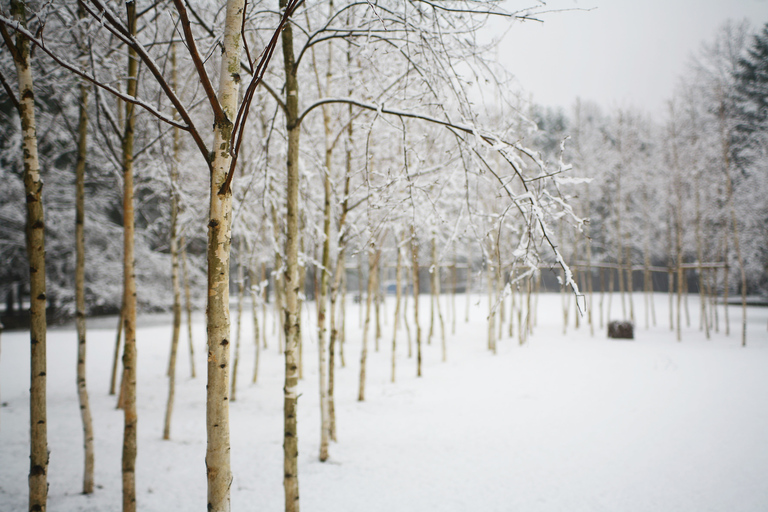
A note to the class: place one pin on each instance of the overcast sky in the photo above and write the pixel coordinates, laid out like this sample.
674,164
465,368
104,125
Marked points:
622,53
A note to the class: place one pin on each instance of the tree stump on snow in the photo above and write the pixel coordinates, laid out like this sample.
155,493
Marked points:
621,330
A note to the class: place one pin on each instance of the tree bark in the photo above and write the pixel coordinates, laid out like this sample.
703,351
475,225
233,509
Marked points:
338,280
255,291
175,282
292,320
468,289
321,298
217,456
405,311
264,303
321,293
116,358
82,390
436,298
454,285
1,328
415,260
491,314
35,241
188,303
278,281
238,326
372,268
129,286
377,299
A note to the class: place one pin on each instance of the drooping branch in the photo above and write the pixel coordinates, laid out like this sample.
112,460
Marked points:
496,143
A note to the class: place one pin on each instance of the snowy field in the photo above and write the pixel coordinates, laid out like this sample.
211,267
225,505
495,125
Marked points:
564,423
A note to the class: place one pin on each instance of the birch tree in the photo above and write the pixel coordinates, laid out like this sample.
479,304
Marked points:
35,236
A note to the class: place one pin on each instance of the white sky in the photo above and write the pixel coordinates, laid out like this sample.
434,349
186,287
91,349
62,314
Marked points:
623,53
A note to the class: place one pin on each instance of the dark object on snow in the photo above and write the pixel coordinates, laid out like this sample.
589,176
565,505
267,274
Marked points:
623,330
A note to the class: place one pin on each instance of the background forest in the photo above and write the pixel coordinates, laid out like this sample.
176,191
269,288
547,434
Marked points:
291,154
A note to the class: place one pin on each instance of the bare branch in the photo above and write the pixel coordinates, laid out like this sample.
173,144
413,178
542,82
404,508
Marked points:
245,106
218,114
11,95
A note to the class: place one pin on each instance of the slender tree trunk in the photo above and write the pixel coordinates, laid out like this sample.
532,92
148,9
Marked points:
530,317
578,278
647,298
129,286
468,290
1,328
703,320
436,295
564,303
174,264
35,238
454,285
302,289
735,228
590,283
360,286
512,303
685,298
238,326
602,294
670,272
499,280
714,293
82,391
188,303
217,456
491,314
292,319
372,265
254,291
405,311
619,248
116,357
278,281
630,284
263,291
377,298
415,260
679,251
343,319
398,296
432,292
611,291
321,294
335,337
726,275
338,281
521,331
536,290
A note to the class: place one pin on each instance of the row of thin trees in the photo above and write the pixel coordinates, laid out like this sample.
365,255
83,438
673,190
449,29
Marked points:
398,81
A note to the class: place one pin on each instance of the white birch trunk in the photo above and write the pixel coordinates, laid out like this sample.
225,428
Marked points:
128,388
217,456
82,390
292,318
35,238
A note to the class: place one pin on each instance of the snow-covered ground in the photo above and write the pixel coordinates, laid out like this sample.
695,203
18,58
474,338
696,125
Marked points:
563,423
